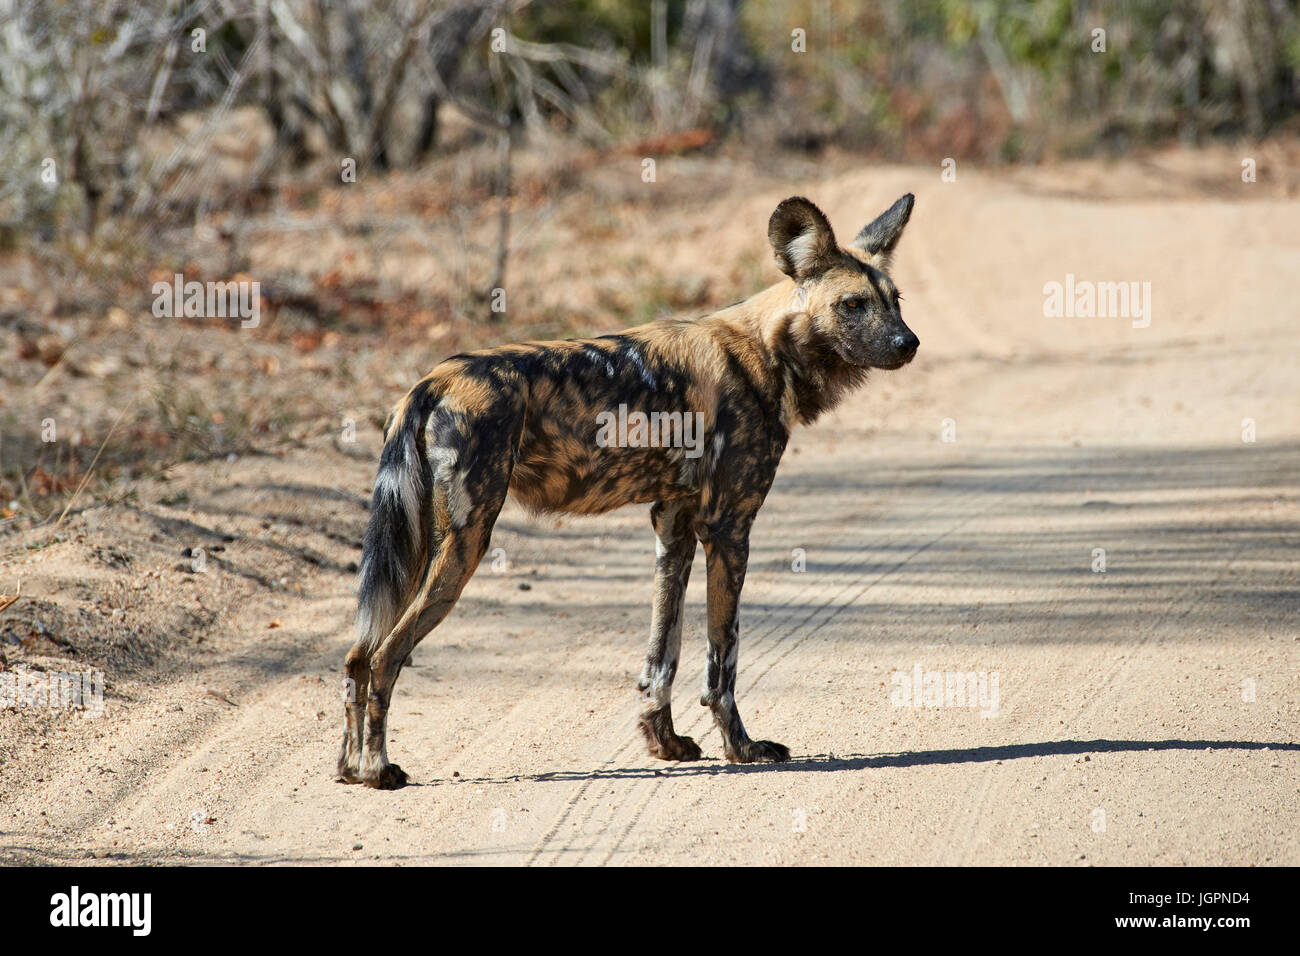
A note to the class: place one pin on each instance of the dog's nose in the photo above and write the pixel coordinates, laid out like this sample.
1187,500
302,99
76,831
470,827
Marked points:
907,343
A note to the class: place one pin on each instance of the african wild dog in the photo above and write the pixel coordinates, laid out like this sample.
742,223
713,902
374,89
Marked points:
523,419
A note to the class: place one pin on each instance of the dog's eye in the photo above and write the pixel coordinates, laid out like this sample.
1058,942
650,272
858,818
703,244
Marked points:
853,304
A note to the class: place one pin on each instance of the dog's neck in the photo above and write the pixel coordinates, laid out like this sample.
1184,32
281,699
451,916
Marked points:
807,374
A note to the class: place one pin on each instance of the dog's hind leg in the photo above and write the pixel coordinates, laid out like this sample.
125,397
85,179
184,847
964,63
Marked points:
674,553
471,458
451,570
394,559
355,690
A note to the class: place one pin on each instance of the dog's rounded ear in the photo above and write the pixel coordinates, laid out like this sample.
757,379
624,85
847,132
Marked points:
879,237
801,238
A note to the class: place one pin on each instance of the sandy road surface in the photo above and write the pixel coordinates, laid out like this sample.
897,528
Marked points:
1148,714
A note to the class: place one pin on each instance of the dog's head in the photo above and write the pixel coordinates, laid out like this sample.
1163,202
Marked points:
846,292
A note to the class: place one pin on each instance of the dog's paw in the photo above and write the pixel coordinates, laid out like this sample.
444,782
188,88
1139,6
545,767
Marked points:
389,777
347,770
760,751
662,741
676,748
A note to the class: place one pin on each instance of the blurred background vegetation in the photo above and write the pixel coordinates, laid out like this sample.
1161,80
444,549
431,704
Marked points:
84,82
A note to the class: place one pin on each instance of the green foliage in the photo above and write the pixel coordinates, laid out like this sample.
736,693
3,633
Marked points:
616,24
1018,79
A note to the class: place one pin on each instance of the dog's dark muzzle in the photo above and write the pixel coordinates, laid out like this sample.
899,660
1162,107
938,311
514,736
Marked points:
905,345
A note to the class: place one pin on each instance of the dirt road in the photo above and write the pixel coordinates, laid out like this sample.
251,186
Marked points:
950,518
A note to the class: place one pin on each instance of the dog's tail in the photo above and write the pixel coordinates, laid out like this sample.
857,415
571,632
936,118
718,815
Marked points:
395,558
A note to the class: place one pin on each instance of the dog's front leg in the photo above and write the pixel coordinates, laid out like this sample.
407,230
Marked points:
726,549
674,551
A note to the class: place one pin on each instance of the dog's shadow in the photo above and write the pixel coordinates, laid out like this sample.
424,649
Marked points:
822,763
